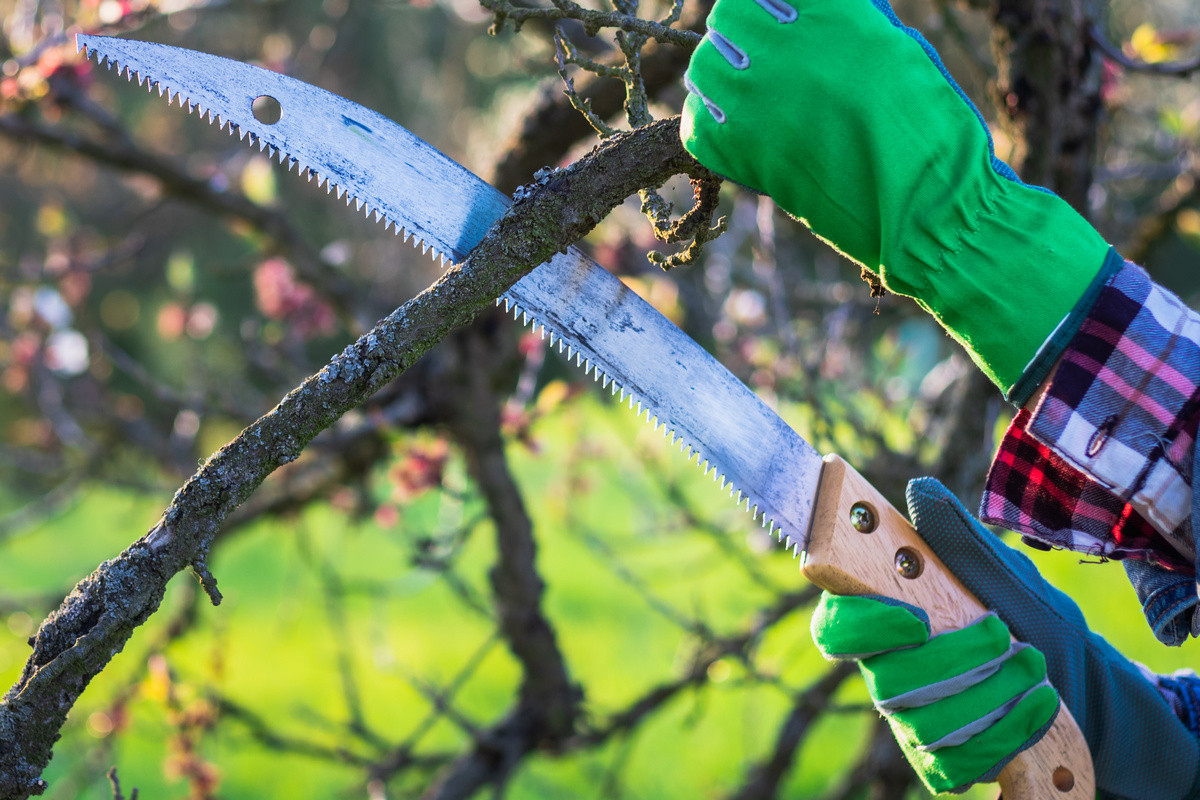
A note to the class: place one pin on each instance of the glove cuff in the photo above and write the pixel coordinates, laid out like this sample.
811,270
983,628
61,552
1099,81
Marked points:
1003,266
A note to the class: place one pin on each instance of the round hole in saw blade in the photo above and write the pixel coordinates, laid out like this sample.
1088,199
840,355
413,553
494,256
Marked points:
266,109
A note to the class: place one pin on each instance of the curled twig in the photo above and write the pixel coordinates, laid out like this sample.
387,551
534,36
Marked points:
697,224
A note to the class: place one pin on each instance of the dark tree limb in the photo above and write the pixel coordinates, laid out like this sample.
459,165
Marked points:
764,779
548,701
96,620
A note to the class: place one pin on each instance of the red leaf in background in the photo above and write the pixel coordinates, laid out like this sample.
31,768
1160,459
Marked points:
420,470
279,295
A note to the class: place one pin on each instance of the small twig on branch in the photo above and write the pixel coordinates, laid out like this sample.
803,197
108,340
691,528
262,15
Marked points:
697,224
505,12
565,53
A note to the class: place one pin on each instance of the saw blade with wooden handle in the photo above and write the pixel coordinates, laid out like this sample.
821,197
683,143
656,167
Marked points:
852,541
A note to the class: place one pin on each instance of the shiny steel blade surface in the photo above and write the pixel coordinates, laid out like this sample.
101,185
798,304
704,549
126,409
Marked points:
356,152
597,321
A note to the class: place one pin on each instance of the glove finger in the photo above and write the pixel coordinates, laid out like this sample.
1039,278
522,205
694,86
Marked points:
761,25
947,663
980,759
845,627
955,717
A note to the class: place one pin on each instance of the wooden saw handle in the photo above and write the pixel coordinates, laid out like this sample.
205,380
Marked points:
883,555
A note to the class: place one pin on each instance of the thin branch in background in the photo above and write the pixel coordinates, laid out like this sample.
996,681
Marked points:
565,53
115,782
717,648
442,705
763,780
333,593
261,730
641,587
401,755
882,766
672,492
59,500
121,152
1179,69
1184,193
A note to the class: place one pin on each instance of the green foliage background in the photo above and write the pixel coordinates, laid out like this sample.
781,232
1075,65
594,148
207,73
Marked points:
345,627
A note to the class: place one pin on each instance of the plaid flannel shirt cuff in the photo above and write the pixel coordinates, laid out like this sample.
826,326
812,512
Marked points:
1060,338
1103,465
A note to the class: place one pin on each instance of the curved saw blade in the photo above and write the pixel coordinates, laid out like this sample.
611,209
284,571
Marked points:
605,327
358,153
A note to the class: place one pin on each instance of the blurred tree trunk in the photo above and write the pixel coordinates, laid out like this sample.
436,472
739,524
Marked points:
1048,92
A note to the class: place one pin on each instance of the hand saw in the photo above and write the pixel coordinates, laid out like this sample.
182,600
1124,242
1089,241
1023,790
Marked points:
852,541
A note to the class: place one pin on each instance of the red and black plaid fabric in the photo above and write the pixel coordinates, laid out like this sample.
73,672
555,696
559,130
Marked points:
1103,465
1034,491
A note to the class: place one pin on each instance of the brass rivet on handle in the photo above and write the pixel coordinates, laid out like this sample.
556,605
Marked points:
908,563
1064,779
863,518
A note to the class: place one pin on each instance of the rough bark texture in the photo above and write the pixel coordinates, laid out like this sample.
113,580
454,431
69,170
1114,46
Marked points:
96,620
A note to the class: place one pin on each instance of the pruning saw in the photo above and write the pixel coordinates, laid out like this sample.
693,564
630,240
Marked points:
850,539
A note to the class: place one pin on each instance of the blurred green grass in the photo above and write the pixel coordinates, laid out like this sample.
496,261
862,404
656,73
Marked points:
594,490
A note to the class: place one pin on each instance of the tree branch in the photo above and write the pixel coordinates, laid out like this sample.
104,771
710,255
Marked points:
122,153
593,21
763,781
95,621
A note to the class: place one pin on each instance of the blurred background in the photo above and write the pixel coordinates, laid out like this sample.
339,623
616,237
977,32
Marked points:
162,285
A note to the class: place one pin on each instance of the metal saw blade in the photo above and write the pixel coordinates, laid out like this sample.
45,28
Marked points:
354,152
596,320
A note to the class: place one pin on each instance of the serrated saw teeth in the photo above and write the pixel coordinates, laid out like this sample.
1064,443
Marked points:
350,148
263,140
745,500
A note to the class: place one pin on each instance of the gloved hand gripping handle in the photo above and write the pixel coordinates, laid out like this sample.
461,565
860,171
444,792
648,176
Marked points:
860,545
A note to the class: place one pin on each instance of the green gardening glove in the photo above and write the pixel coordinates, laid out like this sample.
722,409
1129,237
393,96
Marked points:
960,704
1144,746
849,120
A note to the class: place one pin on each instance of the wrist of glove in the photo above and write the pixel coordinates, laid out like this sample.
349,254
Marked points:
849,120
963,703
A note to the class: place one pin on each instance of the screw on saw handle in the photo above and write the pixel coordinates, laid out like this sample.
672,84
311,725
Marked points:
860,544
